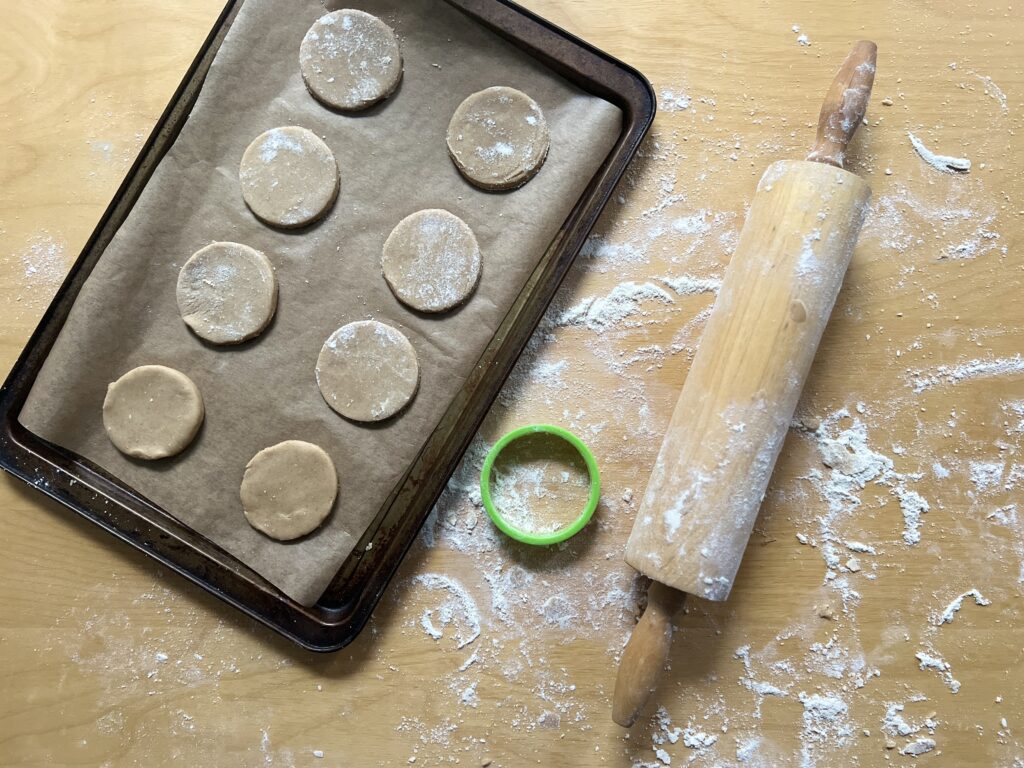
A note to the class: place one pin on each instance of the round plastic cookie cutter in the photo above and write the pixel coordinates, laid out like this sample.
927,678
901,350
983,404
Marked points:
533,537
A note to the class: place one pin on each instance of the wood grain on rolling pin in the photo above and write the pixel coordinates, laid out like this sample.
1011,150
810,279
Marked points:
745,381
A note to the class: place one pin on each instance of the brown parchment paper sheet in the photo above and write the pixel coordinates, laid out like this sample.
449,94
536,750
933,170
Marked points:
393,161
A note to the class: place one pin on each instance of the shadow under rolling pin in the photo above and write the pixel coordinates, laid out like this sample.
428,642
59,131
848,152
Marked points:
738,400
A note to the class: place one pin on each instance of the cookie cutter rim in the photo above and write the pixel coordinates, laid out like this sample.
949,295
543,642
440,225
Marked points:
553,537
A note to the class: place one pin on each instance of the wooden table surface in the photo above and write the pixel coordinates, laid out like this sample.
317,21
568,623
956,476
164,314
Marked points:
832,649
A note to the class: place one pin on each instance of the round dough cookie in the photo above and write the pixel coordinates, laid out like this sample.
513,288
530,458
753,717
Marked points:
152,412
227,293
350,60
289,177
367,371
288,489
498,138
431,260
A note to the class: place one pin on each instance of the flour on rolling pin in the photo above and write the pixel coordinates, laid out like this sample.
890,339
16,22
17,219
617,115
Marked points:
741,392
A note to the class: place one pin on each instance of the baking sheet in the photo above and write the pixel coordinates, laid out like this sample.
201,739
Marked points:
393,161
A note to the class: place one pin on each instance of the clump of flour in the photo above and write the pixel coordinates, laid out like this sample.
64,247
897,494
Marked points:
852,464
944,163
457,608
950,611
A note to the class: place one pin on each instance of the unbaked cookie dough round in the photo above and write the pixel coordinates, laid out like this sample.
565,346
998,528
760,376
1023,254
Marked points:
289,177
498,138
152,412
227,293
289,489
350,60
431,260
367,371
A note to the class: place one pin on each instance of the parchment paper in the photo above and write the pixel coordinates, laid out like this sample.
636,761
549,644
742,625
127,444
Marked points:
393,161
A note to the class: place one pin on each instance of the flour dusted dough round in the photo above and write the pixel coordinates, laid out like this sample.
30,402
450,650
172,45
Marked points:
350,60
227,293
152,412
289,177
498,138
288,489
367,371
431,260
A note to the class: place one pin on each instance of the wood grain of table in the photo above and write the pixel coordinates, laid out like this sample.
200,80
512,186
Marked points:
106,659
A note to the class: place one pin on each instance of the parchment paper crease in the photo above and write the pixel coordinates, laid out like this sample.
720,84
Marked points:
393,161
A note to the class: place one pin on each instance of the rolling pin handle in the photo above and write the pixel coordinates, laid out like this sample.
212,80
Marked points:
645,654
845,104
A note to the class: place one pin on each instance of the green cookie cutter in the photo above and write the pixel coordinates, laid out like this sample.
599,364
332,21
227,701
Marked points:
528,537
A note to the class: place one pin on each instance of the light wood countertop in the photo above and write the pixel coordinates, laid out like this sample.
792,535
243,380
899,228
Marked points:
105,659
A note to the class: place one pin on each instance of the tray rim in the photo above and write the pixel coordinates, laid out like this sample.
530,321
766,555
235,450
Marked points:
334,620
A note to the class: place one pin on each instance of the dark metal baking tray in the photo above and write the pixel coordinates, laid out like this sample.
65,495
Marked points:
344,608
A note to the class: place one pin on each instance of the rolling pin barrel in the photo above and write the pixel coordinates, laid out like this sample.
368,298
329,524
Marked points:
743,386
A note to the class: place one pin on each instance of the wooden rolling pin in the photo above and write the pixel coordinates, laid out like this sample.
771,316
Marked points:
742,389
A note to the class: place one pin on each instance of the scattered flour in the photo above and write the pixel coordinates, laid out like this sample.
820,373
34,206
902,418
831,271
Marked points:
37,269
801,38
946,617
45,260
966,371
859,546
912,505
1016,410
944,163
759,687
673,101
993,91
667,733
688,285
748,749
621,308
896,725
694,739
918,747
926,660
986,475
962,227
825,722
981,241
459,607
469,696
852,465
